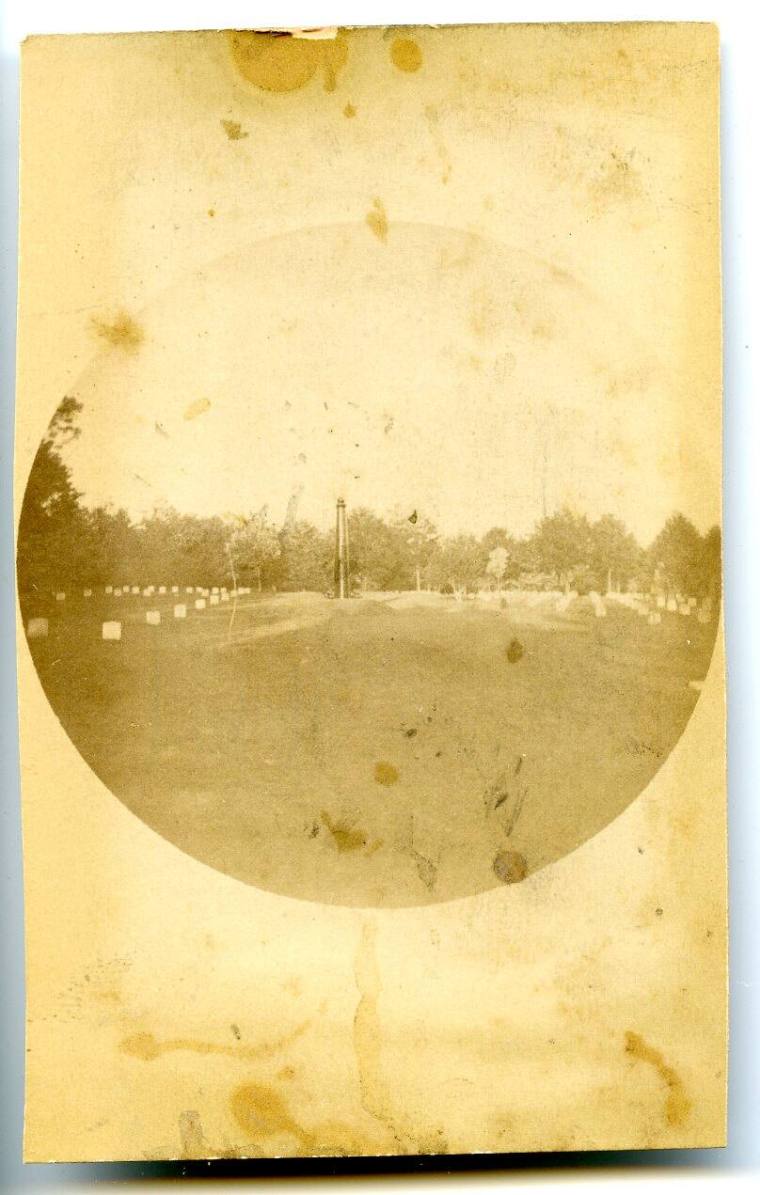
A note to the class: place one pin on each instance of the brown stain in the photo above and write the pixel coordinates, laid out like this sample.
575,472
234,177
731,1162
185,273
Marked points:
377,220
345,837
199,407
386,773
510,867
280,62
123,332
262,1113
211,212
373,1089
191,1135
406,55
349,111
147,1047
677,1103
234,130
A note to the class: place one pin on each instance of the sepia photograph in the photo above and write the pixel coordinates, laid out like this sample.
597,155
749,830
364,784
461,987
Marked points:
370,598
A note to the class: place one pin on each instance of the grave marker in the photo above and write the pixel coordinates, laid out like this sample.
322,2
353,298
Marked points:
60,597
200,603
180,611
109,589
214,599
153,617
117,593
672,605
112,630
86,593
37,628
175,588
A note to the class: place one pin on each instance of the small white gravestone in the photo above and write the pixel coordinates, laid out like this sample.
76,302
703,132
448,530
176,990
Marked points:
60,597
147,592
225,597
655,618
214,599
117,592
189,589
109,589
37,628
684,608
215,589
86,593
199,589
135,589
692,602
153,617
180,611
661,601
200,603
175,588
162,589
672,605
112,630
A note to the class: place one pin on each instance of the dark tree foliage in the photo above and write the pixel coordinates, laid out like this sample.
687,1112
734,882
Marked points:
64,544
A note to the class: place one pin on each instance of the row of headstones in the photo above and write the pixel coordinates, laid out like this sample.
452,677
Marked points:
150,590
652,609
37,628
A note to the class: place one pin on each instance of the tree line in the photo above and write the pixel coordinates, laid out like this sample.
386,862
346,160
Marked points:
62,542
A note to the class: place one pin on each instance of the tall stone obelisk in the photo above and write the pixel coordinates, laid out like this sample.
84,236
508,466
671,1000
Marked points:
341,552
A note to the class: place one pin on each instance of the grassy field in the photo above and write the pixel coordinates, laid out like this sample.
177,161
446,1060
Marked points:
378,751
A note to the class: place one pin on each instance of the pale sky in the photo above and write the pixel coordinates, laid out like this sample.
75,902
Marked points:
542,287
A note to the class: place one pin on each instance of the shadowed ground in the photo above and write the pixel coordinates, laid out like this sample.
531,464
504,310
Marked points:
374,752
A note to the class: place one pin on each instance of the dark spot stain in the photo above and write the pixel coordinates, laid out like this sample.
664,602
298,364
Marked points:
413,517
234,130
122,332
344,835
261,1112
386,773
658,912
518,765
161,430
406,55
235,1031
349,111
515,651
510,867
677,1103
147,1047
411,732
314,830
377,220
277,61
211,211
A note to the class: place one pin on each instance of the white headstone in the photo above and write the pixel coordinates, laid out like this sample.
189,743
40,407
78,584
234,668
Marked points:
189,589
60,597
215,589
692,602
200,603
87,593
109,589
117,592
153,617
162,589
135,589
180,611
661,601
199,589
112,630
175,588
214,599
225,597
146,593
684,608
37,628
672,605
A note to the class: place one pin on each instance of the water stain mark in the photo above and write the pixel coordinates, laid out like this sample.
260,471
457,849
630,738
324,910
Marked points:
349,111
677,1103
199,407
377,220
386,773
278,61
234,130
510,867
191,1135
122,332
345,837
261,1112
147,1047
406,55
